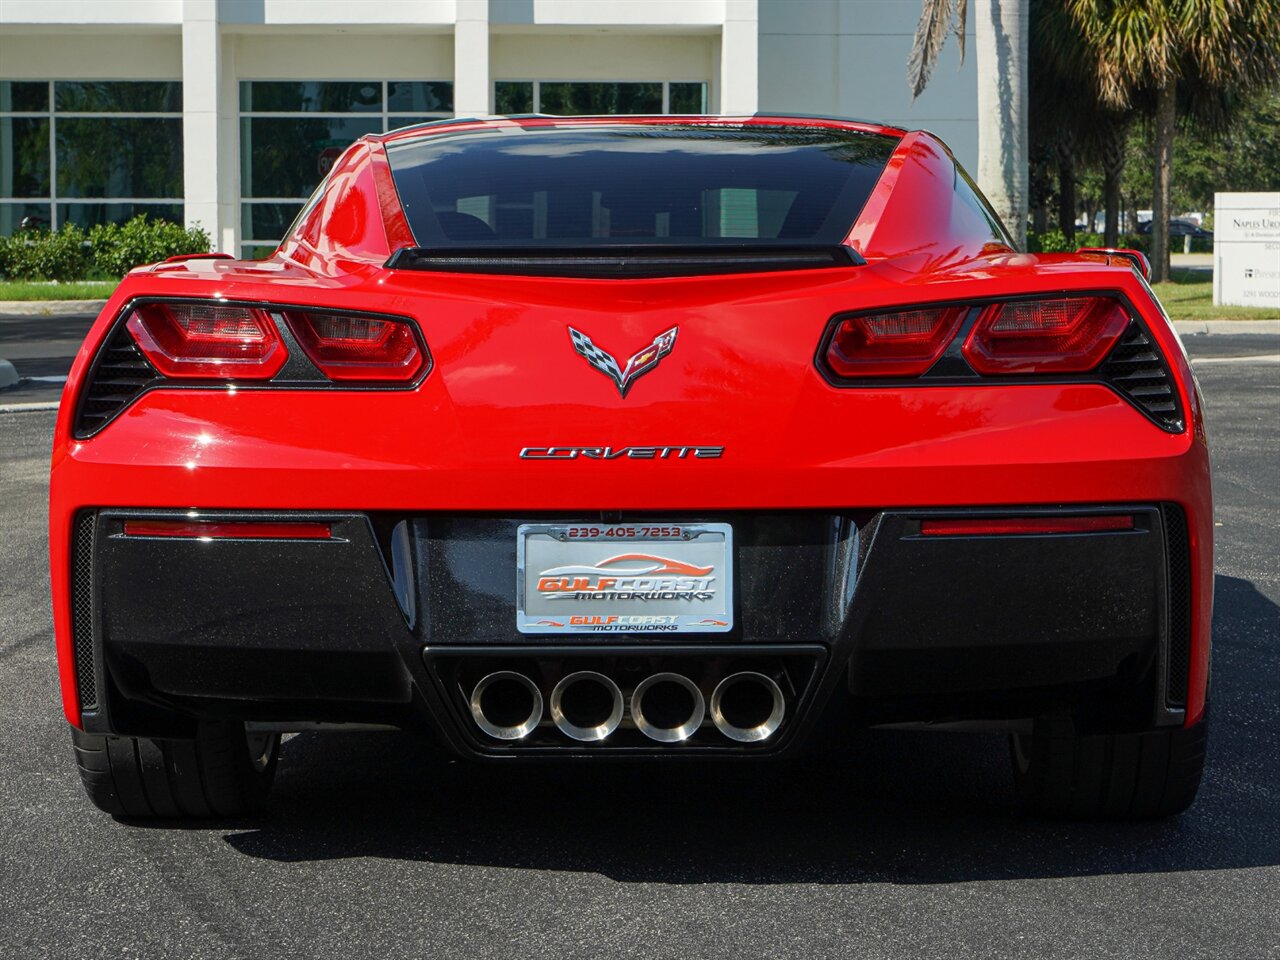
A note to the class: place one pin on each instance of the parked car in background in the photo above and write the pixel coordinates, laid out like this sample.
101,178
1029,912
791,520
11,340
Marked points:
1181,228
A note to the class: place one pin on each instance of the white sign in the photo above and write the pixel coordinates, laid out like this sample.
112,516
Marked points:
1246,249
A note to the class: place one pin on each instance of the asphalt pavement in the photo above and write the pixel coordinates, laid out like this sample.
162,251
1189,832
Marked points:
904,845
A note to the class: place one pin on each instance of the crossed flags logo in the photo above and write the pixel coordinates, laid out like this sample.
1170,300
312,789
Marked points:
642,362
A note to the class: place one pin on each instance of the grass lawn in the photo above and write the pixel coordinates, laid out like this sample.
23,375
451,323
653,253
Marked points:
33,290
1189,296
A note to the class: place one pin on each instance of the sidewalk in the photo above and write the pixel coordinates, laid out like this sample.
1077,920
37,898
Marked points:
49,308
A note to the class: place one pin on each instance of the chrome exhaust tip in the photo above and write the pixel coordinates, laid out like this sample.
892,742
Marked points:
586,706
667,707
506,705
747,707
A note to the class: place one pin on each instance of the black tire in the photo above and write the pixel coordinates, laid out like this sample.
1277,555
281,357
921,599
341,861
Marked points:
1135,776
216,774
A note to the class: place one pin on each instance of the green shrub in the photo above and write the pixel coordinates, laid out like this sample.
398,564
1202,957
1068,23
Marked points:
1136,241
118,248
1051,241
44,255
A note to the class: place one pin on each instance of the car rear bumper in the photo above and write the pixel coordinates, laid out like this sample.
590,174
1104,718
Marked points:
857,616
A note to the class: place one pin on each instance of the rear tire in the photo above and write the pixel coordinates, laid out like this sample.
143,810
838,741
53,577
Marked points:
1059,773
222,772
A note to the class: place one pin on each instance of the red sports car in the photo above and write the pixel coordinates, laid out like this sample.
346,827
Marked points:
660,438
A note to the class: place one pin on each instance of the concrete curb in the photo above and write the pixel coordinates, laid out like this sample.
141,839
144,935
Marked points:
29,407
49,308
1199,327
8,375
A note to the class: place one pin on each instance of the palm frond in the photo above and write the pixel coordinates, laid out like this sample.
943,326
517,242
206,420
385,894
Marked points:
961,24
931,34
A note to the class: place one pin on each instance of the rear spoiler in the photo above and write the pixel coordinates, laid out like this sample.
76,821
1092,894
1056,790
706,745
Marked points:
1141,265
624,262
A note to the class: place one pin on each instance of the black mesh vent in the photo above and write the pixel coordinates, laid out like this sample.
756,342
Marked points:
121,373
1178,558
82,609
1136,369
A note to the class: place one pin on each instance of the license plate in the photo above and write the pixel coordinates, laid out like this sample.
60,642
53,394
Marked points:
626,578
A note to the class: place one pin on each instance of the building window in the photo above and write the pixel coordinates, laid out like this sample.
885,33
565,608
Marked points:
291,132
583,98
89,152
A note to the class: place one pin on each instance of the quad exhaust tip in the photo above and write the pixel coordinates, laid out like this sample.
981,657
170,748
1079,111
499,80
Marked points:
667,707
586,706
506,705
747,707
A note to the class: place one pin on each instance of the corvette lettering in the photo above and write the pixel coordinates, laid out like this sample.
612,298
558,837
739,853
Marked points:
622,453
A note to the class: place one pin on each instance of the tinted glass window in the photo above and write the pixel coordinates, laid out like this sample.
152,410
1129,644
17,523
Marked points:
117,96
688,98
24,144
287,96
287,156
627,184
116,146
415,97
21,96
513,96
119,157
593,99
267,221
87,215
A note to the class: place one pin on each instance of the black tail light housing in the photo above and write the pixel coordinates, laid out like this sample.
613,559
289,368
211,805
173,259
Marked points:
177,343
1080,338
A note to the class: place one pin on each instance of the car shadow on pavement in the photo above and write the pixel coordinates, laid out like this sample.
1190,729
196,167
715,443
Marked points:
895,807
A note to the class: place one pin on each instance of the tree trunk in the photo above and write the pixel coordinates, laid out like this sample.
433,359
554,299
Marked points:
1040,187
1040,218
1067,190
1000,32
1111,202
1165,110
1112,172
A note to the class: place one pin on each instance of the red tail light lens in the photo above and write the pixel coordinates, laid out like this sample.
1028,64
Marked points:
369,349
1010,526
197,340
1045,336
228,530
900,344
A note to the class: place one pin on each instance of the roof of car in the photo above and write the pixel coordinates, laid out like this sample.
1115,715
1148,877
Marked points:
462,124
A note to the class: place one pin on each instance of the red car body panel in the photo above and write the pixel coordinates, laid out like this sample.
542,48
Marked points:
504,378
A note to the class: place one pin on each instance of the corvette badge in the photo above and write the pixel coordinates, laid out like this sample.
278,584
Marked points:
642,362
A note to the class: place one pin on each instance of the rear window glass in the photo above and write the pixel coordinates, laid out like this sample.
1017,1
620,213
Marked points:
626,184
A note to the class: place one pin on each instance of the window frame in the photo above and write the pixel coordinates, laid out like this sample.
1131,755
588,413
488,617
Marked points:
52,113
385,115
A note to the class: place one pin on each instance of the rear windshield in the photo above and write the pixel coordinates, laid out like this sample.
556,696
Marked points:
626,184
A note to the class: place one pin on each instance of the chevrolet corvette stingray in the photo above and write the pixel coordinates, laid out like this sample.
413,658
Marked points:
666,439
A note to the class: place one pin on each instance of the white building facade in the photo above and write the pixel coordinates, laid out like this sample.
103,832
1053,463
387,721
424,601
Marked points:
226,113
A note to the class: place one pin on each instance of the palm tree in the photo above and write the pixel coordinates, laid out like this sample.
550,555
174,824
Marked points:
1068,119
1000,29
1150,46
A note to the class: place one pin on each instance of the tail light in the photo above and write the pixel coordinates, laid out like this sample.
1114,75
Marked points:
358,348
228,529
1013,526
899,344
1045,336
197,340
